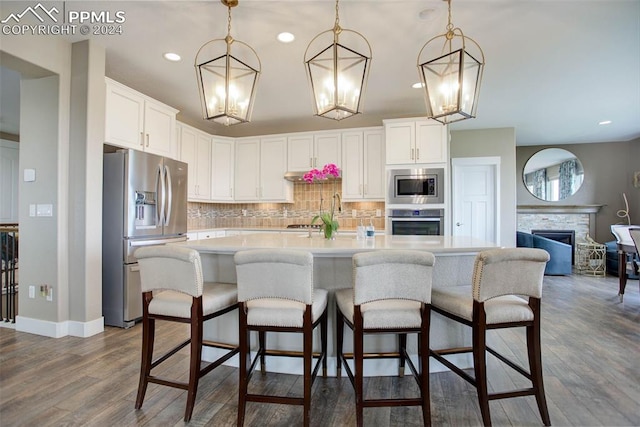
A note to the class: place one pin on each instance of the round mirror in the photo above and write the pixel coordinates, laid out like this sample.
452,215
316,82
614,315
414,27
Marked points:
553,174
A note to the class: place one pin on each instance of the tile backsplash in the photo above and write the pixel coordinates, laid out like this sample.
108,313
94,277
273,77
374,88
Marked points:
305,206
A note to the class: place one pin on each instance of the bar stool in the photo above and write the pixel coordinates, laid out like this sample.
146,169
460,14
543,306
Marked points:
391,295
173,290
493,301
276,294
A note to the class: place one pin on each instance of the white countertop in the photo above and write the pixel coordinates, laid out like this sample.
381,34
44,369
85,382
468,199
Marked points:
342,246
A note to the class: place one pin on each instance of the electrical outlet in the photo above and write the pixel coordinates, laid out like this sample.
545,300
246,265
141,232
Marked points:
32,291
244,212
284,213
354,213
378,212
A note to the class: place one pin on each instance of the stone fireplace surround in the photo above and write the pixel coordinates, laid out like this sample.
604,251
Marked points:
579,218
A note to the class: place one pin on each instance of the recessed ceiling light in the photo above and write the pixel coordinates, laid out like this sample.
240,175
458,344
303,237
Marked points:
286,37
418,85
605,122
170,56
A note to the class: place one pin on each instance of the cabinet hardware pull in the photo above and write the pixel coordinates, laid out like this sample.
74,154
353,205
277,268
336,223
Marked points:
365,189
142,139
412,154
458,224
147,140
417,154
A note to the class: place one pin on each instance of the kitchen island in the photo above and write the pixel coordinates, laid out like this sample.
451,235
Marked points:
332,270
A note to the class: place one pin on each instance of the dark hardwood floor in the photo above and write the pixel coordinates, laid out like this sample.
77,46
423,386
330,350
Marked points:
591,349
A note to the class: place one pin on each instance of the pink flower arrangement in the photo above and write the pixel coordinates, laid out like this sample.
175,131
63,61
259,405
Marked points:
329,169
330,224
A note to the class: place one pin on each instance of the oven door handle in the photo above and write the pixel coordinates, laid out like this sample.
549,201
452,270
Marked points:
405,219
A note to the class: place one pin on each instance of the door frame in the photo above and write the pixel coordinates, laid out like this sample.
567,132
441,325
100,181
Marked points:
492,161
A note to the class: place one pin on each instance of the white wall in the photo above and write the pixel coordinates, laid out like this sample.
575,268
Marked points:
500,143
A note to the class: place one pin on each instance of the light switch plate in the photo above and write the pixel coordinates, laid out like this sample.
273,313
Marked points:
29,175
44,210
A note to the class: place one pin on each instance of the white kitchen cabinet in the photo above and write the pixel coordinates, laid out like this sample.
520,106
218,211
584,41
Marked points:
363,174
222,162
315,150
195,150
260,168
192,235
415,141
133,120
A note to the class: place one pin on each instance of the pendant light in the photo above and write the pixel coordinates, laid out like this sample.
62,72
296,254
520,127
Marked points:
451,78
227,80
337,74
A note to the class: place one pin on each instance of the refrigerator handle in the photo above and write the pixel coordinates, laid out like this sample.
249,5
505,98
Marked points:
169,190
159,197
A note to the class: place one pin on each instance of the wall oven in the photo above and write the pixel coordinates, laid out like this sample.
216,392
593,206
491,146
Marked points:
415,186
415,222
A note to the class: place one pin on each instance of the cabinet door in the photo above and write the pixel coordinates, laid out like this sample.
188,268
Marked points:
431,142
300,152
373,173
352,166
400,143
188,154
326,149
222,159
273,165
159,129
247,169
124,117
203,166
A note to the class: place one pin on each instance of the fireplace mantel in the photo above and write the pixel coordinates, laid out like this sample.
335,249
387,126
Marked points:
559,209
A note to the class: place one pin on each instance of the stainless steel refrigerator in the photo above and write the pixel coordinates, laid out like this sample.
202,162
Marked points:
144,203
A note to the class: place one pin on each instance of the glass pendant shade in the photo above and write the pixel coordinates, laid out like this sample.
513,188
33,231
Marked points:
337,74
227,72
451,75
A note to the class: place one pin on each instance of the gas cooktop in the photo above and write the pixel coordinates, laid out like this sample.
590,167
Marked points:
315,226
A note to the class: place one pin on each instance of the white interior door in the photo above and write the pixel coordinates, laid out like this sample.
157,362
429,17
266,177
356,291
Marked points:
475,198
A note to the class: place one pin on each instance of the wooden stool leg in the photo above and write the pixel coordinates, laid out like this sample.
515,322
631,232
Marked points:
423,349
323,342
148,328
262,342
535,363
339,341
308,358
480,368
402,348
358,360
195,356
244,338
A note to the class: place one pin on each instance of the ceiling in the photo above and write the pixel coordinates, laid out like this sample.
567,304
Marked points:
554,69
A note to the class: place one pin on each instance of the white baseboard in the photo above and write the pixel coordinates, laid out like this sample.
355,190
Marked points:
59,329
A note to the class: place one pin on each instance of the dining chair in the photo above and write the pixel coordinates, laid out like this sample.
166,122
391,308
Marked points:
501,278
173,290
628,255
276,294
391,294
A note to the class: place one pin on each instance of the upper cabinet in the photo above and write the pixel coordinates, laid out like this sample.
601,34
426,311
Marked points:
136,121
415,141
363,171
259,171
222,162
313,150
195,150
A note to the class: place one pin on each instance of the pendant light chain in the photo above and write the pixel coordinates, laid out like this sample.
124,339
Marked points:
336,27
449,25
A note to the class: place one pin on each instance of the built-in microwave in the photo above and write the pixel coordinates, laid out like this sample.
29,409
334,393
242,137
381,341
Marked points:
415,186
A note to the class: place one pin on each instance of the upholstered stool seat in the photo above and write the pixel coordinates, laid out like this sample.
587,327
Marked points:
391,294
173,290
283,312
276,294
458,300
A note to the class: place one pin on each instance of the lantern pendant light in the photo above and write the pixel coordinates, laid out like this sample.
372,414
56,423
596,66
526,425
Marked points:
451,78
337,74
227,79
